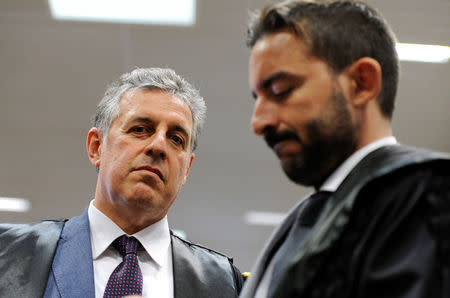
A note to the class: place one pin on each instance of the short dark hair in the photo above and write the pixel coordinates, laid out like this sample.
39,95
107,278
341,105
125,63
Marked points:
338,32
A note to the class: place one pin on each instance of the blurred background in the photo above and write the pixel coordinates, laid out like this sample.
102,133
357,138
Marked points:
54,72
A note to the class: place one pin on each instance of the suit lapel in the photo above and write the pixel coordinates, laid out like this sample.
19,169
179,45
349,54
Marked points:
269,249
72,266
186,272
199,273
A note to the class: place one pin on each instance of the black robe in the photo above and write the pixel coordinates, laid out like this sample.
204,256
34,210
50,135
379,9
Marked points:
385,232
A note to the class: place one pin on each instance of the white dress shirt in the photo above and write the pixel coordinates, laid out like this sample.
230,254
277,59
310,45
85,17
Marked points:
155,261
331,184
336,178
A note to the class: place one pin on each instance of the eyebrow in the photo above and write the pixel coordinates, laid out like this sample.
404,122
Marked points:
183,131
145,120
266,82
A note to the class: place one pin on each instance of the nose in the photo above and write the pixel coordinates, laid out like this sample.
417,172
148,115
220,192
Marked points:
264,116
157,145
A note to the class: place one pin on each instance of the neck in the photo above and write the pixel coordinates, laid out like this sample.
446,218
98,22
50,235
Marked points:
373,126
130,215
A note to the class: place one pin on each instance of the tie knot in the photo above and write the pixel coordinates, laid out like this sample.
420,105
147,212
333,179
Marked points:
126,245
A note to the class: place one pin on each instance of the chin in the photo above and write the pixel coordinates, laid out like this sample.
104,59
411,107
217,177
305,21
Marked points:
143,202
299,174
298,178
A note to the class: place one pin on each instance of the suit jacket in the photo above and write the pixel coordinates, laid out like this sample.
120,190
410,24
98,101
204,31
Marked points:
383,233
197,271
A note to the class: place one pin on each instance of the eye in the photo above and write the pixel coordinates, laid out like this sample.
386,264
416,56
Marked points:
282,93
281,89
138,129
177,139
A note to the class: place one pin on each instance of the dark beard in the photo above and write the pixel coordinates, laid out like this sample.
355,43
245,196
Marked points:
328,144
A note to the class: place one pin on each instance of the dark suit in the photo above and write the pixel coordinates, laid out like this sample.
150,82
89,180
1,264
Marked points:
197,271
383,233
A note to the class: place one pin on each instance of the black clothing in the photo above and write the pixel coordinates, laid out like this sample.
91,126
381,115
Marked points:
383,233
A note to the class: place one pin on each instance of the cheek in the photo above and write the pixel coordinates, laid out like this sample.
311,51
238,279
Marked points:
295,118
119,157
182,170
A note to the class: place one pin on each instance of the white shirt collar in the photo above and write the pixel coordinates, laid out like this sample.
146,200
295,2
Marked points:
155,238
336,178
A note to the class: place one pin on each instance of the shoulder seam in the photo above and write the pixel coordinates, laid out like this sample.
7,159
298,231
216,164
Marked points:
200,246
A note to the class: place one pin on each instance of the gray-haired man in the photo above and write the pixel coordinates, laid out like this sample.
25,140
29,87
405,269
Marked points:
145,131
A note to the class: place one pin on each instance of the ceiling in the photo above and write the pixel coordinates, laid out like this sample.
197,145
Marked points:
53,73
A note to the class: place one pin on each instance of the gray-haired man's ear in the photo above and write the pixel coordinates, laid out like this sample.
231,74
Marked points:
94,143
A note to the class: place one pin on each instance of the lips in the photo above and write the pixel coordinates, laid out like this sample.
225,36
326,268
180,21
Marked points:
274,138
151,169
286,148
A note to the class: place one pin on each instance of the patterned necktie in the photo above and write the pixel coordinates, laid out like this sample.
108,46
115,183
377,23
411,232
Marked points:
305,220
126,279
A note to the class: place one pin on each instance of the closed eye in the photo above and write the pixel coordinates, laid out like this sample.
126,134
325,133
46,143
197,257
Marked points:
282,94
281,84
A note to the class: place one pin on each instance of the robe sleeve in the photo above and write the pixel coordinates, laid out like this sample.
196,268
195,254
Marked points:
406,251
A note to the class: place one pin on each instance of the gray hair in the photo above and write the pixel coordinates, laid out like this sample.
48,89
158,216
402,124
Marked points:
150,78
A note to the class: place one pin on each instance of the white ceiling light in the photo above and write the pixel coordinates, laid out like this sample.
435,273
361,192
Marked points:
423,52
264,218
14,205
160,12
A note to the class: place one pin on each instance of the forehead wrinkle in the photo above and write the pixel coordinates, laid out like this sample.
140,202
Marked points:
143,119
136,119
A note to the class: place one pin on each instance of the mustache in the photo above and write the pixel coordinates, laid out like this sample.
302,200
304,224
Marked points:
272,137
